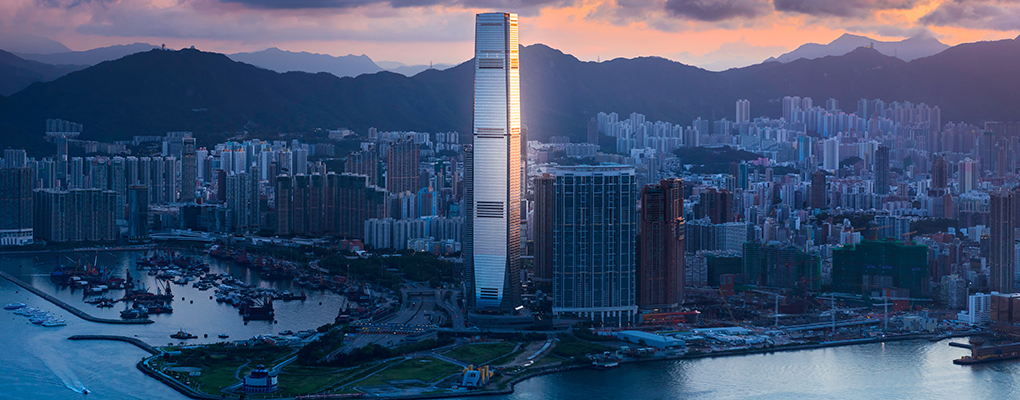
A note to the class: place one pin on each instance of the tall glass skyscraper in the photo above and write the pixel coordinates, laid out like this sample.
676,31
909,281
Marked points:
492,259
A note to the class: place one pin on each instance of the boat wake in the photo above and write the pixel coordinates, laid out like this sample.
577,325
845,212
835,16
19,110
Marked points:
61,370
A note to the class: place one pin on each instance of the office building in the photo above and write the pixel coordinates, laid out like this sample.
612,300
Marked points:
493,207
660,263
594,229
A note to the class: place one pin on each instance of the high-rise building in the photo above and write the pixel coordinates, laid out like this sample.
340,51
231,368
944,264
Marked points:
402,161
830,154
594,229
544,205
16,202
818,194
831,105
364,162
189,171
939,173
78,215
881,169
284,185
494,205
138,214
743,111
969,170
661,254
875,265
1002,218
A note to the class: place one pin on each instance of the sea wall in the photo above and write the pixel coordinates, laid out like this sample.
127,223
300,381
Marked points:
73,310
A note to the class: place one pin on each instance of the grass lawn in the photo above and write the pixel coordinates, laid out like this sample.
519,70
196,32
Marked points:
299,380
426,370
476,354
510,357
570,346
218,364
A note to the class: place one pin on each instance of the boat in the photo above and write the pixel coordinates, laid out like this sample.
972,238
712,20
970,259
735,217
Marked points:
181,334
54,322
14,306
224,336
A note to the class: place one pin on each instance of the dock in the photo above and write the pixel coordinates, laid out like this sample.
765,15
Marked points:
71,309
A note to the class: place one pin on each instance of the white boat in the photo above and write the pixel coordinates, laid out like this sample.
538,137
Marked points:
14,306
54,322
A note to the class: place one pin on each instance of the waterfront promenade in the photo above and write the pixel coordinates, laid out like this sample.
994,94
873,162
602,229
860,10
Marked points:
73,310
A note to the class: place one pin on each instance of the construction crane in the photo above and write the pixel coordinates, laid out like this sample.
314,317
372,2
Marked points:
777,302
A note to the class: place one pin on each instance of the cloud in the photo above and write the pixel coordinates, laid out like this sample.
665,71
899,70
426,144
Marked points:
524,5
1000,15
732,55
843,8
200,19
66,4
716,10
892,30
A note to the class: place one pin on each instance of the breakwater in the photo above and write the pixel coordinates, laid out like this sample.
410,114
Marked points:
135,341
71,309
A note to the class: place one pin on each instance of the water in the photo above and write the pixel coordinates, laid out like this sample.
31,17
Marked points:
39,363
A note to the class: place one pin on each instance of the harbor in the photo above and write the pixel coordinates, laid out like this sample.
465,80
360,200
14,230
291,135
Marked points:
194,310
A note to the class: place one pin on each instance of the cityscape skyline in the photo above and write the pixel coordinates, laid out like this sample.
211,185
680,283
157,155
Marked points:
367,262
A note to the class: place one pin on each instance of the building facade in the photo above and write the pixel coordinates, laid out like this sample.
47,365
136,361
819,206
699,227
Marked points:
662,245
594,243
494,206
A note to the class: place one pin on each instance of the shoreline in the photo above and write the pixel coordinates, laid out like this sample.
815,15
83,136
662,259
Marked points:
72,309
510,389
80,249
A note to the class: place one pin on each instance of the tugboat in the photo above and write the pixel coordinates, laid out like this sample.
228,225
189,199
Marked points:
181,334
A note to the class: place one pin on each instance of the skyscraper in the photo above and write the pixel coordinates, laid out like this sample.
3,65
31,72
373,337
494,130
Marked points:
594,228
1002,218
882,170
494,204
661,253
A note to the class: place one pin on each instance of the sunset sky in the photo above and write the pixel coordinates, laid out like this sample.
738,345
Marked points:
711,33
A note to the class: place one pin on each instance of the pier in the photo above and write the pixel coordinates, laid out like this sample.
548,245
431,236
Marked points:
73,310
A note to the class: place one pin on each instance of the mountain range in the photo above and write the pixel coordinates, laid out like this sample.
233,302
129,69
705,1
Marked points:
921,45
159,91
17,73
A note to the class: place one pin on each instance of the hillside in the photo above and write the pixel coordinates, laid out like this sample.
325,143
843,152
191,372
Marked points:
159,91
17,73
